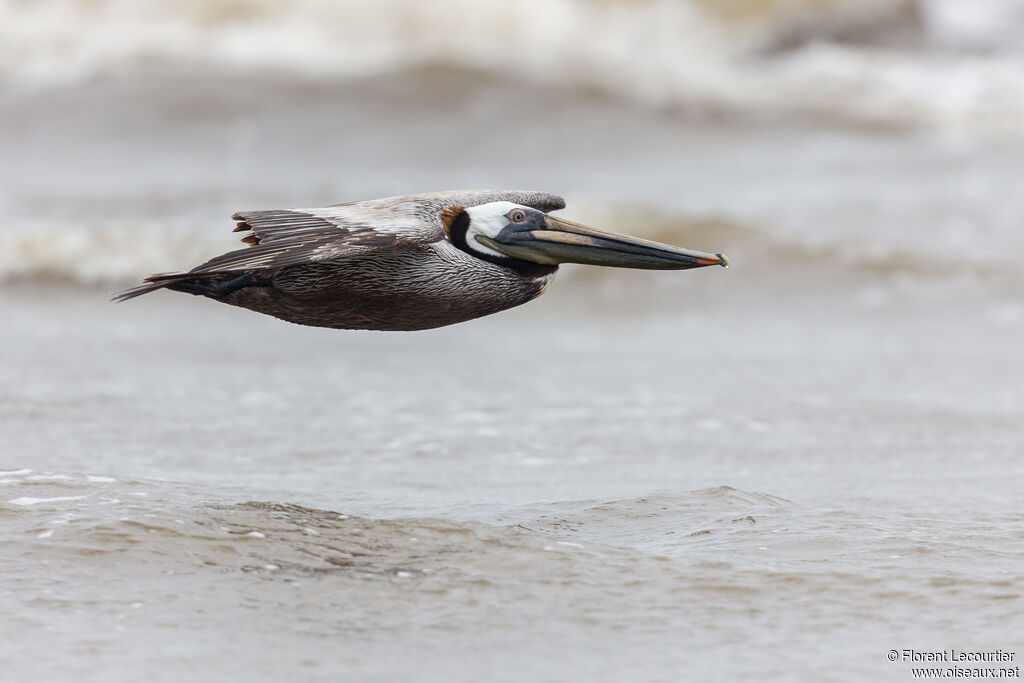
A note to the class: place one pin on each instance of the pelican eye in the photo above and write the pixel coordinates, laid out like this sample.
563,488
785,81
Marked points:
517,216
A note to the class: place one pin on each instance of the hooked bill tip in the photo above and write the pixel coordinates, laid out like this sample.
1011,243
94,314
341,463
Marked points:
723,260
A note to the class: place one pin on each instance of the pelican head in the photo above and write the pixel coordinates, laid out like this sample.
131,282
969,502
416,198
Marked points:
504,231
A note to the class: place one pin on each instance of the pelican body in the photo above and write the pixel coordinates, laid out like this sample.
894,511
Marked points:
412,262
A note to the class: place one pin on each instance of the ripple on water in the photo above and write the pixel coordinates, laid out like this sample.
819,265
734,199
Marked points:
685,563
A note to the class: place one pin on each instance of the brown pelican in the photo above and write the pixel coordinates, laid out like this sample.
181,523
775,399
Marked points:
409,263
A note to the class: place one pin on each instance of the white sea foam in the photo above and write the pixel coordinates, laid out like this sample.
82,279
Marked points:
99,255
104,186
775,58
29,501
14,473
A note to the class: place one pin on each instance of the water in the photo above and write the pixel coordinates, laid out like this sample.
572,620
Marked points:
779,471
546,494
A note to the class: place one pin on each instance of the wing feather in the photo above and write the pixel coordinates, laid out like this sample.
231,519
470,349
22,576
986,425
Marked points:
280,238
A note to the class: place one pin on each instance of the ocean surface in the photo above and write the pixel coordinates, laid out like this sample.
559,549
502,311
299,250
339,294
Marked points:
780,471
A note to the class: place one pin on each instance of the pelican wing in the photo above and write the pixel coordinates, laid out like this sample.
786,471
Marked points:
281,238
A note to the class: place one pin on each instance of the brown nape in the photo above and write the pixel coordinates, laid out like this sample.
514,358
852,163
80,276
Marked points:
448,217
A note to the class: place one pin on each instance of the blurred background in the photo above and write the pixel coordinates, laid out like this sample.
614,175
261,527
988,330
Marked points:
132,130
778,471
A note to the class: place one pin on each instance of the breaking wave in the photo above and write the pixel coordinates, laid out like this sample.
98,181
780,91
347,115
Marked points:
955,66
116,255
943,64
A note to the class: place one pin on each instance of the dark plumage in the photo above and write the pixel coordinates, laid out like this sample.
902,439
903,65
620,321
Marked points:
406,263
